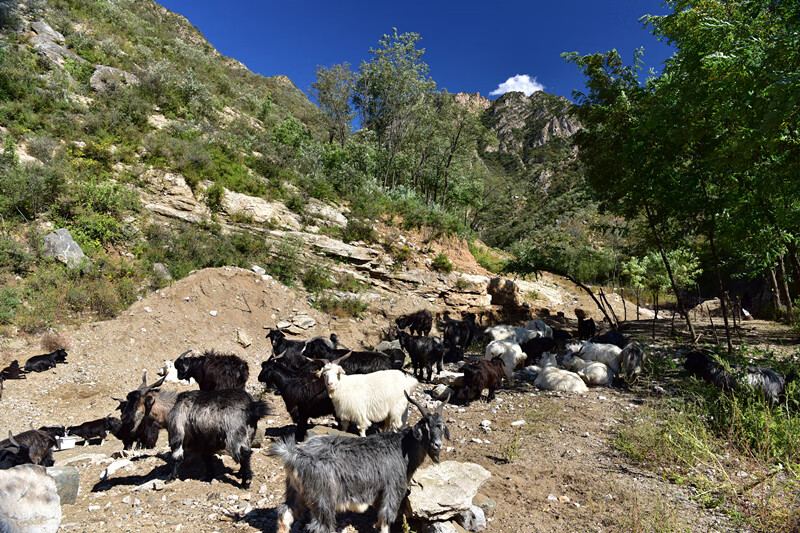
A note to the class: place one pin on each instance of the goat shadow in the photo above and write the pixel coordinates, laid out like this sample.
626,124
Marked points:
266,520
194,468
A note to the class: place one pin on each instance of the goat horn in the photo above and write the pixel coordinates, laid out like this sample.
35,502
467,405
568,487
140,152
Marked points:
156,384
441,405
422,410
181,356
342,358
11,438
144,381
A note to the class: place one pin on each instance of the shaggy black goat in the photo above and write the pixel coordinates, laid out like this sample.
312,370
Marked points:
331,473
358,363
419,322
611,337
39,444
633,360
13,371
586,328
54,431
93,429
40,363
424,352
460,332
561,336
206,422
534,348
304,393
213,371
281,345
13,453
481,374
144,412
770,383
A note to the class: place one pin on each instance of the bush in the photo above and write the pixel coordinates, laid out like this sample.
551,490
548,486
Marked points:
214,197
317,277
341,307
441,263
9,301
359,230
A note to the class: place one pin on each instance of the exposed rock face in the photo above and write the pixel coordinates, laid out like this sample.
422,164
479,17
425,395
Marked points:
29,502
444,490
260,209
172,197
43,29
474,102
106,79
53,52
61,246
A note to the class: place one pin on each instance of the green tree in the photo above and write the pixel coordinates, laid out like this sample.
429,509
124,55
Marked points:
332,91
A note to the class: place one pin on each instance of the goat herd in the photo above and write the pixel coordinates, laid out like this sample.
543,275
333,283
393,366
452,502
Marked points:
318,377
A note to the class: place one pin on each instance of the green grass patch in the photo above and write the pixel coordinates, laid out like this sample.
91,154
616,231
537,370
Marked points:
341,307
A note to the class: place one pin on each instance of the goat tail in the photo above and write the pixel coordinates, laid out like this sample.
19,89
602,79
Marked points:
285,449
258,410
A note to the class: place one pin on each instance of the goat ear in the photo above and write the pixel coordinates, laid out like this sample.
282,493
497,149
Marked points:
149,401
417,432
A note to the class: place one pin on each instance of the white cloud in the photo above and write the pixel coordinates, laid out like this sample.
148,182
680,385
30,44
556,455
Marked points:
521,82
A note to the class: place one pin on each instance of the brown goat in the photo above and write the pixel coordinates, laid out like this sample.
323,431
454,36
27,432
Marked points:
40,445
144,413
481,374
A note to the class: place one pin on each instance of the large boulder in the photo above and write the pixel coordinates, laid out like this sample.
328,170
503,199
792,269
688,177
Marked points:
53,52
444,490
67,482
29,501
105,79
44,29
61,246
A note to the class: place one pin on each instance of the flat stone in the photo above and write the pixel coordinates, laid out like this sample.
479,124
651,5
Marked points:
451,379
473,519
67,482
442,391
443,490
485,503
44,29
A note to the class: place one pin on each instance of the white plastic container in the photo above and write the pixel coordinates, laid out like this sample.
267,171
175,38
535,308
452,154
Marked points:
65,443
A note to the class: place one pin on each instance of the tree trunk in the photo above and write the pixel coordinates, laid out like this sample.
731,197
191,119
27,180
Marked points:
720,288
784,286
638,301
655,316
599,306
624,307
776,293
675,289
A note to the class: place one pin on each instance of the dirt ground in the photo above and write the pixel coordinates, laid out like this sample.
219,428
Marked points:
557,472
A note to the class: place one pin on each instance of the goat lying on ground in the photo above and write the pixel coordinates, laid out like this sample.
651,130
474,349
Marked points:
553,378
327,474
38,443
510,352
13,371
367,398
611,337
40,363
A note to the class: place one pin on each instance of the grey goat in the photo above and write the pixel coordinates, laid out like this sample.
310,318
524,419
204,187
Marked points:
205,422
327,474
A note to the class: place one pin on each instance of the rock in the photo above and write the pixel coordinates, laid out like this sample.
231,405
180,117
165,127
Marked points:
325,430
53,52
473,519
260,210
485,503
243,338
161,270
61,246
153,484
442,527
304,322
442,391
105,79
67,482
43,29
517,423
443,490
29,502
325,214
113,467
451,379
333,247
258,270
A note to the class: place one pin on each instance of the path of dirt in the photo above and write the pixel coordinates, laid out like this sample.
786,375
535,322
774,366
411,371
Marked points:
557,472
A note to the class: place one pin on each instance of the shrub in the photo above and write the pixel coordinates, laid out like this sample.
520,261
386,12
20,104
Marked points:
9,301
14,257
317,277
359,230
341,307
53,340
441,263
214,197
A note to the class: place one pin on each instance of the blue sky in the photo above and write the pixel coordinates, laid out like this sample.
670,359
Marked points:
470,46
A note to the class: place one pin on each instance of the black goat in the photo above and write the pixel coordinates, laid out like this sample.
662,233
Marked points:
2,386
424,352
206,422
586,328
13,371
93,429
561,336
54,431
330,473
534,348
13,453
144,412
213,371
39,444
419,322
611,337
303,393
481,374
460,332
766,380
280,344
41,363
362,362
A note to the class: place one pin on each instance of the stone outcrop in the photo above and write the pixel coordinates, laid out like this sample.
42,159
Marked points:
261,210
444,490
61,246
44,30
29,501
55,53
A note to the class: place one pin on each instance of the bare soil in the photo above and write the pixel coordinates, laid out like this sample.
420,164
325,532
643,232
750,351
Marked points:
557,472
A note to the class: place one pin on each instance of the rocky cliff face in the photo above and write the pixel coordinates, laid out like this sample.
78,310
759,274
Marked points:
522,122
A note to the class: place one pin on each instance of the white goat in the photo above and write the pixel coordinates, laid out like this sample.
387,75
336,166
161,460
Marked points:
510,352
540,326
605,353
367,398
596,373
572,362
502,333
553,378
170,374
